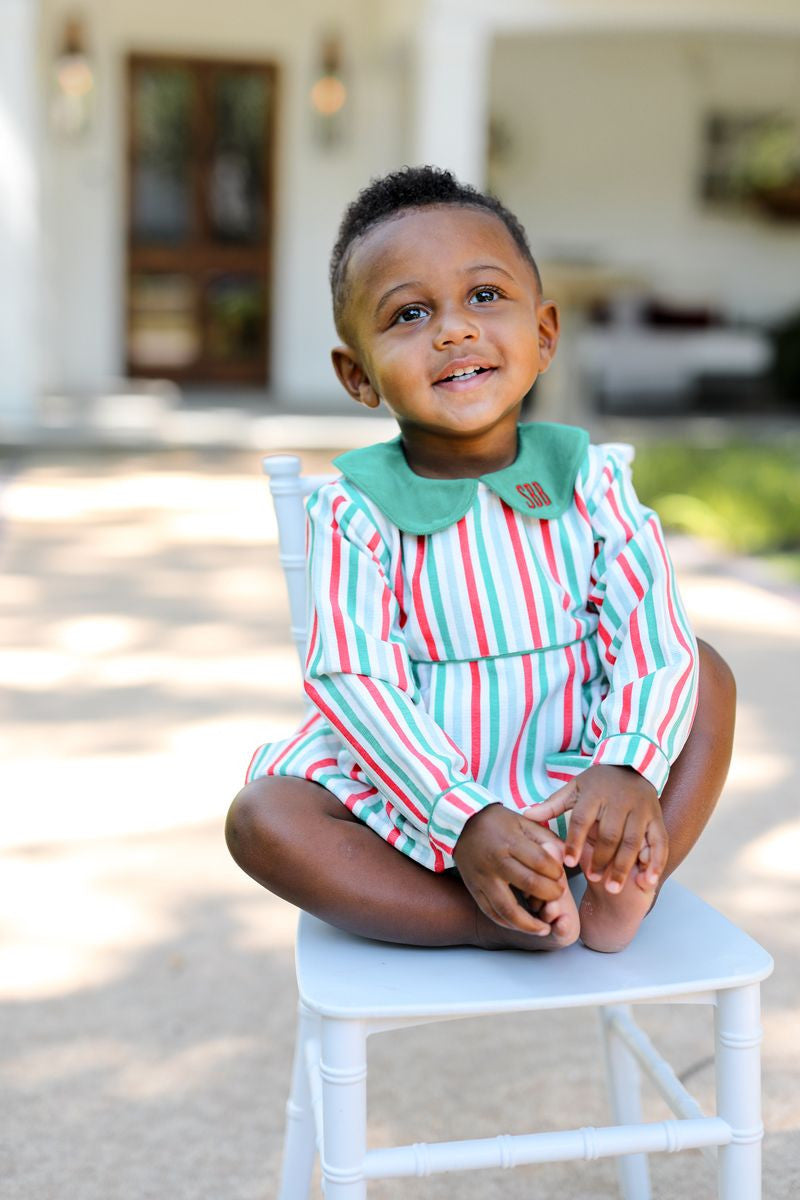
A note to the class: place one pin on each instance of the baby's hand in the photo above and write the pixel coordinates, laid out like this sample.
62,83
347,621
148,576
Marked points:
616,825
499,850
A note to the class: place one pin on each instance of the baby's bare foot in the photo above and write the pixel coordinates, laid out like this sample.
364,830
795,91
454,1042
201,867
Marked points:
609,922
561,915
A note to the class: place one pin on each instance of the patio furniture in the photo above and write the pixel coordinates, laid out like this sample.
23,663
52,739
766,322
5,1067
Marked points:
351,988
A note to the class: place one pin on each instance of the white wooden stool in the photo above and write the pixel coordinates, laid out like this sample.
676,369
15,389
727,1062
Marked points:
350,987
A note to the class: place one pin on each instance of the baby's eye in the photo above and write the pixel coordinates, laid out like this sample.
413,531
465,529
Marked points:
483,295
412,313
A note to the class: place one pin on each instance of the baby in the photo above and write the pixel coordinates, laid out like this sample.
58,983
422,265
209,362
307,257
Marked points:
496,639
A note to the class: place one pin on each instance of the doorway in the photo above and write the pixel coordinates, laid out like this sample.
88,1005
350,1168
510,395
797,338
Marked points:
200,219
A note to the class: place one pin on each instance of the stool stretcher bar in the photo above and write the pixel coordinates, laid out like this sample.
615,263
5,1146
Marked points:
514,1150
622,1025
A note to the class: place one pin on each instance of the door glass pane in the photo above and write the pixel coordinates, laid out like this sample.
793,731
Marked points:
235,318
236,178
163,327
162,195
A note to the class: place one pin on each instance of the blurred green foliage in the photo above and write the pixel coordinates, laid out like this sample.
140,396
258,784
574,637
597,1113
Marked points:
744,496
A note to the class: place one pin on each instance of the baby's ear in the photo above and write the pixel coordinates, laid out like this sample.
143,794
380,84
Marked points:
353,377
549,327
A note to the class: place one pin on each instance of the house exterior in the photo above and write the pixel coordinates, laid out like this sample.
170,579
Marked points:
205,260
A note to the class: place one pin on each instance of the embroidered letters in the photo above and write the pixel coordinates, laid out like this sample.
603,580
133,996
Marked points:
534,494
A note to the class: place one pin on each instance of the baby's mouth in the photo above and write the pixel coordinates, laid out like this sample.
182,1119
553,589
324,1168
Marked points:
462,377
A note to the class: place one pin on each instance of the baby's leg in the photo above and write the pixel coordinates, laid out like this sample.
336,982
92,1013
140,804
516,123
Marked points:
608,921
296,839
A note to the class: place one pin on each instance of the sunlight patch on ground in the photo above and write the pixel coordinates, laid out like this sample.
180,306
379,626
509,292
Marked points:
194,509
263,926
192,780
758,771
67,929
731,604
179,1073
776,855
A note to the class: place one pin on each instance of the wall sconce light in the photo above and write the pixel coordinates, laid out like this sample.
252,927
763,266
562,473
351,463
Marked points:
73,81
328,94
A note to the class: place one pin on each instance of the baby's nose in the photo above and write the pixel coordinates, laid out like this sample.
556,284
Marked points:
455,328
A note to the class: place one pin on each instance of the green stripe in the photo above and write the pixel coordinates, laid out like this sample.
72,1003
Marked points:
488,582
494,717
644,698
436,596
509,654
650,609
358,726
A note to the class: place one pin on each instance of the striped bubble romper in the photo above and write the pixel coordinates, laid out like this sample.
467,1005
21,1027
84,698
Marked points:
483,640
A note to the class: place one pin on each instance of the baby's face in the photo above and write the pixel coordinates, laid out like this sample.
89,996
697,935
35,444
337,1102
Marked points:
444,321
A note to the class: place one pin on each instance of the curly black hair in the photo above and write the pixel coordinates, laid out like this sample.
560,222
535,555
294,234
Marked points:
410,187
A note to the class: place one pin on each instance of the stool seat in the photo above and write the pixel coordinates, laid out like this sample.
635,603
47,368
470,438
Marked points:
683,948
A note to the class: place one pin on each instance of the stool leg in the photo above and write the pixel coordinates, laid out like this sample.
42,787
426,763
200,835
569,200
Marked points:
738,1038
344,1109
299,1145
624,1087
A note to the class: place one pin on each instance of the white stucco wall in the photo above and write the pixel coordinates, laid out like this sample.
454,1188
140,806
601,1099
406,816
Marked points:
605,138
604,129
84,181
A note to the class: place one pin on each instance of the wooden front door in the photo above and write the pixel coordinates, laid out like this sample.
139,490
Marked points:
200,218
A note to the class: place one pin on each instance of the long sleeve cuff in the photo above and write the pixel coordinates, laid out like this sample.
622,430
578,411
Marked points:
637,751
451,811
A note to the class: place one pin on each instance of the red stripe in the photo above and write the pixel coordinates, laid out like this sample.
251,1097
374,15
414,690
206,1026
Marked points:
441,779
612,500
336,567
587,670
351,801
679,686
560,775
438,856
582,509
638,649
252,761
513,533
472,587
627,571
302,731
644,764
550,555
457,750
399,662
625,715
399,589
527,672
568,700
475,712
362,752
394,836
315,766
606,639
312,641
419,606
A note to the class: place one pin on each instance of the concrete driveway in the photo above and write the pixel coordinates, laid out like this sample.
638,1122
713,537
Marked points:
146,986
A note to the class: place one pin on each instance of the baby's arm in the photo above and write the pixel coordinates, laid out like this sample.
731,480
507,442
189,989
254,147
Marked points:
650,658
360,677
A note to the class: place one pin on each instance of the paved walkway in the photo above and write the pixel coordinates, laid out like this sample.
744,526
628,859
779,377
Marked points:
146,987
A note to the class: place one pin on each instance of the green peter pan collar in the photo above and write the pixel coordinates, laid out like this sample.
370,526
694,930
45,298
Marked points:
539,482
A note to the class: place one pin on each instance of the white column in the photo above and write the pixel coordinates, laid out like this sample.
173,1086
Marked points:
451,89
18,216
